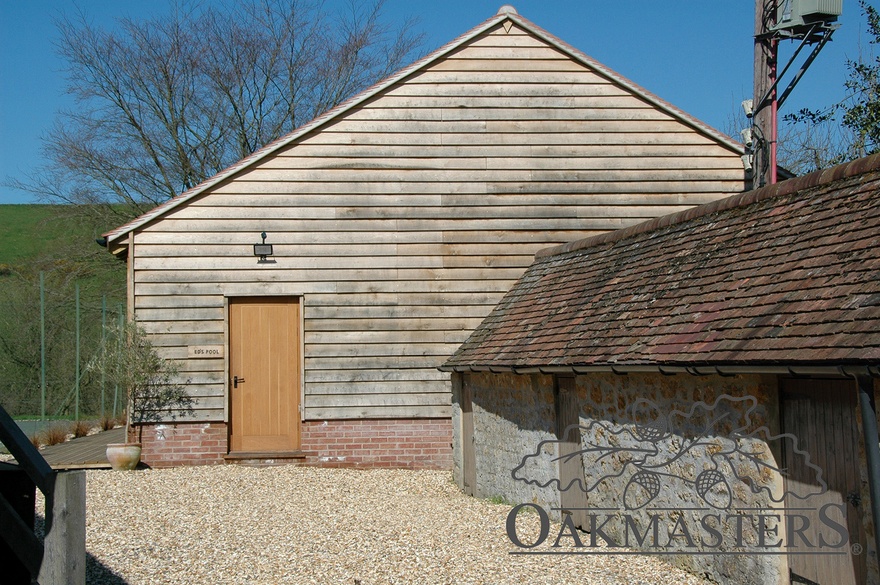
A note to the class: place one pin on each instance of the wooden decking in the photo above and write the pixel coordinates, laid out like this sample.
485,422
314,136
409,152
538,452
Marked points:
83,453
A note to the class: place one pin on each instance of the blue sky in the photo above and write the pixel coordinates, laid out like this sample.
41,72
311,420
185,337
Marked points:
696,55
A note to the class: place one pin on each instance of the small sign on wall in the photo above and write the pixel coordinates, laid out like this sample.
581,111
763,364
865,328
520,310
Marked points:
205,351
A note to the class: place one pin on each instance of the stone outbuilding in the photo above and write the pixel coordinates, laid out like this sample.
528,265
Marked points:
700,386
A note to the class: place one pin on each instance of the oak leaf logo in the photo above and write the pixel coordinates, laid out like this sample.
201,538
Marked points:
712,447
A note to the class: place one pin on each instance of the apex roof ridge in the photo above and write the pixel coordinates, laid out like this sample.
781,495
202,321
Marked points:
309,126
399,76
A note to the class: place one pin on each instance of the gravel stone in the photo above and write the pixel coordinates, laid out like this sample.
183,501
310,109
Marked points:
288,524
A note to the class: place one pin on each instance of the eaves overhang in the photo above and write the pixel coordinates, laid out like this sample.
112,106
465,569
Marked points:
794,370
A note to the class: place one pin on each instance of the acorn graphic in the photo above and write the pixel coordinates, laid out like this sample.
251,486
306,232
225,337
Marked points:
714,489
642,488
654,430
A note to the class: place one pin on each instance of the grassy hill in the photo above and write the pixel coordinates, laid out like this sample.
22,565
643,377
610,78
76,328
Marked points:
30,231
59,242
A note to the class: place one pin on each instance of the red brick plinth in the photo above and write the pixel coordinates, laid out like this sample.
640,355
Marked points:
406,443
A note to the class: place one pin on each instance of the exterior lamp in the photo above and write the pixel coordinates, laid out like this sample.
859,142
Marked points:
263,250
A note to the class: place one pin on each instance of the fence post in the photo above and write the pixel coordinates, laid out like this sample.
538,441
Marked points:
118,346
64,556
42,346
103,341
76,409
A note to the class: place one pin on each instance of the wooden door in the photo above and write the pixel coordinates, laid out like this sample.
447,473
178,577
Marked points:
822,415
573,500
264,375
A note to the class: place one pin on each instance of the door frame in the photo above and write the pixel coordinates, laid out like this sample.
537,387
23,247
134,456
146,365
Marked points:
463,390
567,406
227,396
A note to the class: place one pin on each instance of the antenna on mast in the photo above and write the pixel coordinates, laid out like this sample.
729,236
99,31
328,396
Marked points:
810,22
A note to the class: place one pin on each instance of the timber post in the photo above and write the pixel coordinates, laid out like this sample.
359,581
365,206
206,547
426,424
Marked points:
64,556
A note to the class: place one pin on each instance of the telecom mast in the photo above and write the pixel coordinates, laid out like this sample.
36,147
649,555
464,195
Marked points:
807,21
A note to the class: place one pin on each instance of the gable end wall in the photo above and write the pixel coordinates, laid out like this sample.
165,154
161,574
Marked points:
403,222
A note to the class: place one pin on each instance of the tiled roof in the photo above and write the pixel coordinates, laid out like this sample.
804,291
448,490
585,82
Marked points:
784,275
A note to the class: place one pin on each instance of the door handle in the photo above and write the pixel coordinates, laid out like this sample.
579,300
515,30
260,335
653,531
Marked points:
236,380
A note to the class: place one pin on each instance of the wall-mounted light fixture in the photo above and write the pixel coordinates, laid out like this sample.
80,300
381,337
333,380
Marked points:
263,250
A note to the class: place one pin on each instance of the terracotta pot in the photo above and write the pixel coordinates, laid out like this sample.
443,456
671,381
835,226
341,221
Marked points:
123,455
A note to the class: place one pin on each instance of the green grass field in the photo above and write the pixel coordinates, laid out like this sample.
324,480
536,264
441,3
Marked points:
57,242
30,231
27,231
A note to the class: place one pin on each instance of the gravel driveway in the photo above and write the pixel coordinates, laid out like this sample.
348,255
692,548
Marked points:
288,524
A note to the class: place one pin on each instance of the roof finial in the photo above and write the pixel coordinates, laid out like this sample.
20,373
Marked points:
507,9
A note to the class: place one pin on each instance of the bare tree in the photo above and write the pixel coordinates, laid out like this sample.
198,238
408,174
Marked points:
166,103
849,129
809,144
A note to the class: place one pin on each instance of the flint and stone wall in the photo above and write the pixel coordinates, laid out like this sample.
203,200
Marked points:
513,414
683,425
521,416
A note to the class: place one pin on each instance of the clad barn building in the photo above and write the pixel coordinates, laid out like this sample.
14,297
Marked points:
397,221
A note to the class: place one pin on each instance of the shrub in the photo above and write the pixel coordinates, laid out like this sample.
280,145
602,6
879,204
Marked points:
80,428
128,360
107,423
54,435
